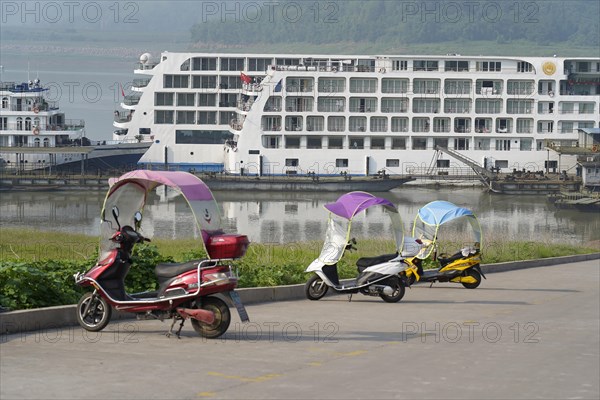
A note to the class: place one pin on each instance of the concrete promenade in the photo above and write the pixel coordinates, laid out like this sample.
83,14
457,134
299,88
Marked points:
529,333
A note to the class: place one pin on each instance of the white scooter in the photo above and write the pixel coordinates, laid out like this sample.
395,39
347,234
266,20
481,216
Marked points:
383,276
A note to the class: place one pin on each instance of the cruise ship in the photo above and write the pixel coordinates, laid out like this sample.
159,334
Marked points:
270,115
35,135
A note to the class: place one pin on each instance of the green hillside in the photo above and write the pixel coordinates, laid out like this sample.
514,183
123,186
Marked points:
481,27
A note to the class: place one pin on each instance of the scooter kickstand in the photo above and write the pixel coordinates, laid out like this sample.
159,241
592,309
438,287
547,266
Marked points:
178,333
350,298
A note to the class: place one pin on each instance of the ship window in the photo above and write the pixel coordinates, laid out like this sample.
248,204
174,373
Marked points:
461,144
399,124
394,105
392,162
329,104
454,86
313,142
176,81
363,104
259,64
485,106
207,117
185,66
204,82
186,117
358,85
524,66
429,86
357,143
332,85
141,131
202,137
186,99
501,164
163,117
292,142
227,99
399,65
230,82
232,64
378,143
456,66
163,99
226,116
489,66
419,143
271,142
520,87
336,124
5,102
443,163
442,142
525,145
291,162
335,142
398,143
379,124
425,65
341,162
315,123
426,106
204,64
273,104
271,123
393,85
207,100
287,61
357,124
441,124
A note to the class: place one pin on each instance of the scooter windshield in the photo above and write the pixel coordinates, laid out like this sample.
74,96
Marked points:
433,215
336,238
128,193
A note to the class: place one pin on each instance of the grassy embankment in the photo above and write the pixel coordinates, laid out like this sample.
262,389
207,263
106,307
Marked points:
37,267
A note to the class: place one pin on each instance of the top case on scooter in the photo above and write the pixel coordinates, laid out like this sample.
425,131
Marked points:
227,246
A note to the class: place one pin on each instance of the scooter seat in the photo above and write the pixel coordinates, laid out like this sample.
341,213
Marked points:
169,270
448,260
365,262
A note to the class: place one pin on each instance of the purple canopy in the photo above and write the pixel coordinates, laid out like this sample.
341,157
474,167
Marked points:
350,204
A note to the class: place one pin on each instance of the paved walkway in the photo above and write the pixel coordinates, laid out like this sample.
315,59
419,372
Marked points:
523,334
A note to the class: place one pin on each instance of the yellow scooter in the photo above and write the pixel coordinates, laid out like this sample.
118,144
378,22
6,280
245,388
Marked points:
463,266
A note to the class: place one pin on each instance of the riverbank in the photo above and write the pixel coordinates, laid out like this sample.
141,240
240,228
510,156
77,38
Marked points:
52,318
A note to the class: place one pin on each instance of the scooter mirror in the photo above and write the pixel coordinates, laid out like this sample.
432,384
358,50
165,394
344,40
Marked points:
137,218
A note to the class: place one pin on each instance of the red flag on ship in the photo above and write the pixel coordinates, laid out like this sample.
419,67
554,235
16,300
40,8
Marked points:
245,78
122,91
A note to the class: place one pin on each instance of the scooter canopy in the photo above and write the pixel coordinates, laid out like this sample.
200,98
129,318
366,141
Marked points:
347,207
128,193
433,215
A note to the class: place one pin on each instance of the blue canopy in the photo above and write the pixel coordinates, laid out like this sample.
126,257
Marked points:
439,212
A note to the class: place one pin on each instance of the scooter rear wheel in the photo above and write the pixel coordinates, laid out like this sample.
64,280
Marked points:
93,312
221,322
473,273
315,288
399,288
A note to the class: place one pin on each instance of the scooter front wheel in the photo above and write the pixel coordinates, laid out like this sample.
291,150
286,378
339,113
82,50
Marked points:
93,312
315,288
221,322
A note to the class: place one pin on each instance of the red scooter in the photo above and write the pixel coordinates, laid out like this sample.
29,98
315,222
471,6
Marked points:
186,290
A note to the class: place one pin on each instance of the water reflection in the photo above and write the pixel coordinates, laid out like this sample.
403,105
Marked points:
292,217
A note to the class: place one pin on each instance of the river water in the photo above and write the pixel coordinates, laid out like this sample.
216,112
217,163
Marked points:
296,217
